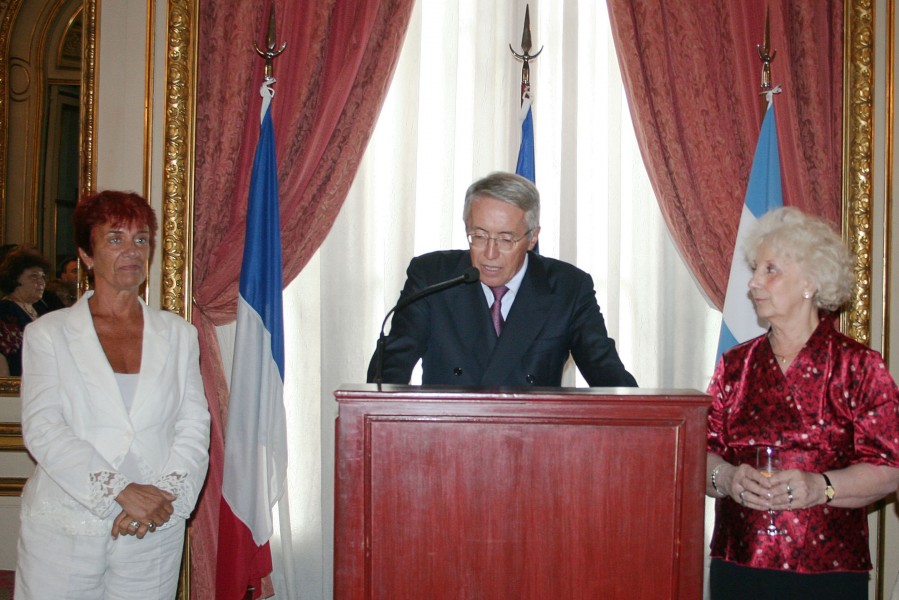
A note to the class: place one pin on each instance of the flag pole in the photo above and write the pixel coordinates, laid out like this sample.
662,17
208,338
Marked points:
526,163
254,462
525,57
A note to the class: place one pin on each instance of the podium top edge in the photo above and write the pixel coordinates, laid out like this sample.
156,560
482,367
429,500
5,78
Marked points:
349,392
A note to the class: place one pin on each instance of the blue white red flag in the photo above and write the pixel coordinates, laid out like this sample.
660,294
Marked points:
255,463
764,193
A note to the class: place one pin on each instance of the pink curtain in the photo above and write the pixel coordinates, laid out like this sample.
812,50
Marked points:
331,82
692,75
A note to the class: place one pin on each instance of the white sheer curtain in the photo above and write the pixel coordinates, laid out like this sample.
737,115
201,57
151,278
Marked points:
451,117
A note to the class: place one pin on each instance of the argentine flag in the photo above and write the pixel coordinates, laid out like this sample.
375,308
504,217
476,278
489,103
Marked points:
525,166
739,322
256,440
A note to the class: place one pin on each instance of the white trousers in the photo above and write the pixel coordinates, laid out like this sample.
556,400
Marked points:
82,567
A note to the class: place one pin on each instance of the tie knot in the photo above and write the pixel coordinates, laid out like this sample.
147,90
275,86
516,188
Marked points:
498,292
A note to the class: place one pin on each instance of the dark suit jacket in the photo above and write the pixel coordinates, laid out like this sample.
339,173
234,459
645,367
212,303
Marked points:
554,314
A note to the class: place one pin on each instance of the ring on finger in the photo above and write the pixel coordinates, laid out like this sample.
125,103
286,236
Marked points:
742,499
789,490
134,524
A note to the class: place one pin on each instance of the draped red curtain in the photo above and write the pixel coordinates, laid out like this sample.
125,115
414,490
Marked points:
331,82
692,74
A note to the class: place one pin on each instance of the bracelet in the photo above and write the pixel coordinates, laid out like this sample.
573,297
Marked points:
715,481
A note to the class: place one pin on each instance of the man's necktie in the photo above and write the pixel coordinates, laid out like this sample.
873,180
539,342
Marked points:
496,311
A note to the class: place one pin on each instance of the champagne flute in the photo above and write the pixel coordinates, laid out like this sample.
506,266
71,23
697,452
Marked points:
767,461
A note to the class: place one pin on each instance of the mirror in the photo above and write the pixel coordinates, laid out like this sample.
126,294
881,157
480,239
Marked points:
40,169
24,216
40,166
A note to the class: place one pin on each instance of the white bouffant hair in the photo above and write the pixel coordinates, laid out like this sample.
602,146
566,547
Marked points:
813,245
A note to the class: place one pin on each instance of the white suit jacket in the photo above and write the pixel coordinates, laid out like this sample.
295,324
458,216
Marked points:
75,424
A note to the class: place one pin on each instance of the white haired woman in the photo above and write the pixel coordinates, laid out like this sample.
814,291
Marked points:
824,403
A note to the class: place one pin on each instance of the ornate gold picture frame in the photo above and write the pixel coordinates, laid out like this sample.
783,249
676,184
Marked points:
858,156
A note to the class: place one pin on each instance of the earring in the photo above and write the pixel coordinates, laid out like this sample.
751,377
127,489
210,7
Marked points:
806,295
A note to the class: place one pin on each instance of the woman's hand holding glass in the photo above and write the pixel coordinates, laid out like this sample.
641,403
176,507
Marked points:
789,489
793,489
785,489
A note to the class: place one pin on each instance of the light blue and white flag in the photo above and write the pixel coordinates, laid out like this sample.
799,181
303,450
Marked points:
256,442
764,193
526,165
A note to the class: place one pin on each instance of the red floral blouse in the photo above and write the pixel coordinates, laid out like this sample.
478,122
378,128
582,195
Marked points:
836,405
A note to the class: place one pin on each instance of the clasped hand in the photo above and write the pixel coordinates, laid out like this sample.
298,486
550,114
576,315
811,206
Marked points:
144,508
790,489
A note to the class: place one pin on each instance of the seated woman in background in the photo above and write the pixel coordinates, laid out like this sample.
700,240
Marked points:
820,402
23,277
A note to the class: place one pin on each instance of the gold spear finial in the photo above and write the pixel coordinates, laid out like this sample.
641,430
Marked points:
766,55
270,52
525,55
526,31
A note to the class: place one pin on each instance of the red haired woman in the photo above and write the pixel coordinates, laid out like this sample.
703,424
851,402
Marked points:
114,413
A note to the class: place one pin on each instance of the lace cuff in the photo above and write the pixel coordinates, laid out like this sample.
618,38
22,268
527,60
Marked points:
176,483
104,487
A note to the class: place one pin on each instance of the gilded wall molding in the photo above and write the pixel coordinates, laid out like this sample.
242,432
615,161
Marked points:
9,386
858,204
11,437
88,162
178,181
10,433
178,173
858,150
12,486
8,11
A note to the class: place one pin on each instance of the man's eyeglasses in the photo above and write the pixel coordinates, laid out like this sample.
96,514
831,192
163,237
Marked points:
504,243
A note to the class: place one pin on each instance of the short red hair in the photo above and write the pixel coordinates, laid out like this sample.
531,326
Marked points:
115,208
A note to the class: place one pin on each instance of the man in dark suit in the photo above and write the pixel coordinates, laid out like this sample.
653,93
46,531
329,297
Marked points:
514,328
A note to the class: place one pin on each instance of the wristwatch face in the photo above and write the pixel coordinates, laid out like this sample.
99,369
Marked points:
829,492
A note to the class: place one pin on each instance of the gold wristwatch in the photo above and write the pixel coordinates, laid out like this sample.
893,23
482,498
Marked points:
828,488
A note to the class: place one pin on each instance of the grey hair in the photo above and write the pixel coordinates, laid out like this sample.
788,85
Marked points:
813,245
507,187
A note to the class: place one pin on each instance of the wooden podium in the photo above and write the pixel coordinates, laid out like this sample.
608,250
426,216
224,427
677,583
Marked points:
446,493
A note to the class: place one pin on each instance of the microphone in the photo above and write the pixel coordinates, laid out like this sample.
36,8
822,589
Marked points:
470,275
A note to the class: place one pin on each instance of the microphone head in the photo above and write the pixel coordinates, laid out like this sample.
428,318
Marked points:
471,275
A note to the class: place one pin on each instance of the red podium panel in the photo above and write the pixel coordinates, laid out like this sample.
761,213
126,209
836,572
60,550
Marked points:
516,494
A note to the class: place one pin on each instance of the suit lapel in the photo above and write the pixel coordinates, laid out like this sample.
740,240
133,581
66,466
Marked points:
154,353
468,311
529,312
89,358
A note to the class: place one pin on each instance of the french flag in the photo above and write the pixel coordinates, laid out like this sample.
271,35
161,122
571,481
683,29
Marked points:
256,436
764,193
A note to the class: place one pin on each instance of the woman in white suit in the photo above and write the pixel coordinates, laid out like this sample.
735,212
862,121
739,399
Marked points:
114,413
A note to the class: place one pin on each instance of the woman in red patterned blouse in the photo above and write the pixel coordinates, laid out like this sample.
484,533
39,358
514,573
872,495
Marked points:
829,407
